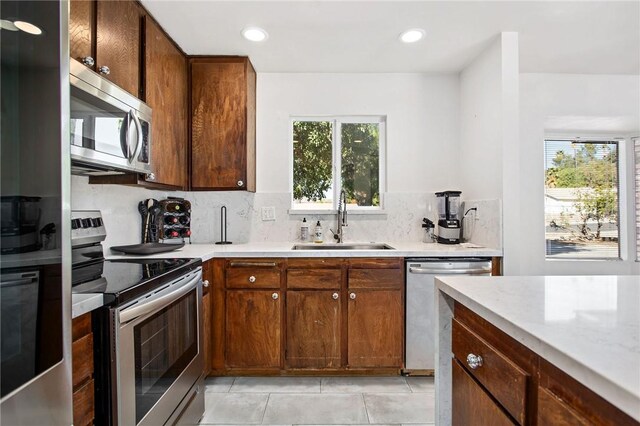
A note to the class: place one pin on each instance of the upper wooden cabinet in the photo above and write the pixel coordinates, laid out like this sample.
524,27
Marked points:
223,129
109,43
167,94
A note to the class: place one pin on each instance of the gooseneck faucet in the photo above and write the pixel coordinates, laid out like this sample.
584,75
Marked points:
341,216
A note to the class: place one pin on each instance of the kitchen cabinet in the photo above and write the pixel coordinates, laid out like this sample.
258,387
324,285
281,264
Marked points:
207,331
497,380
314,314
82,370
167,94
109,43
375,313
254,311
223,120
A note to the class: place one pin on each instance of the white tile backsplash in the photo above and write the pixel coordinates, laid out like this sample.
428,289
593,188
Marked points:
401,221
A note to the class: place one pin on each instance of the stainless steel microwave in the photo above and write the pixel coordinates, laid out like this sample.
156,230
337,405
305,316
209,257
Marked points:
110,128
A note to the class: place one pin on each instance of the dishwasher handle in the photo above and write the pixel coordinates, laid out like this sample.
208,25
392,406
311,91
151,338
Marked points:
480,271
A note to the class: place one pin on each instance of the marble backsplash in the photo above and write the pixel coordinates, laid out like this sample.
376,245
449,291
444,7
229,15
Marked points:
400,222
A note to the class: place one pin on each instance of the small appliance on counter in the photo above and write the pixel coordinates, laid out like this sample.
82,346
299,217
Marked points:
428,236
449,225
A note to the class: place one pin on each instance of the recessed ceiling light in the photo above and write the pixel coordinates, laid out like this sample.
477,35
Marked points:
255,34
28,27
412,35
7,25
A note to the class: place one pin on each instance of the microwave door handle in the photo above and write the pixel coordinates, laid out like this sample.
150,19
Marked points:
136,151
124,136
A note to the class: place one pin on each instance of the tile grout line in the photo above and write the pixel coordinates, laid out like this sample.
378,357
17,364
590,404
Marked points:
265,408
366,410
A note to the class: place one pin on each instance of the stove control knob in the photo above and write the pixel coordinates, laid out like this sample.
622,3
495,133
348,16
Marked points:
75,223
86,223
96,222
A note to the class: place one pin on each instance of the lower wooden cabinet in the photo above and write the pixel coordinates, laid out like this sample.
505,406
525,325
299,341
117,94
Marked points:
291,315
82,370
471,404
376,325
497,380
253,322
313,329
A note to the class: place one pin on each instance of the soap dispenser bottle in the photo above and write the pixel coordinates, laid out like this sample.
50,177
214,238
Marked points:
317,235
304,230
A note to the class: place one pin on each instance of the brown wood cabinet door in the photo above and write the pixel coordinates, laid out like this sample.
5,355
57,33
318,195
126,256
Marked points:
471,405
553,411
81,27
376,327
253,322
118,43
219,120
313,329
166,94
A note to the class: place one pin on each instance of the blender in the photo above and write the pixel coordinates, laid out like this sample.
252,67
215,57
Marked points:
449,226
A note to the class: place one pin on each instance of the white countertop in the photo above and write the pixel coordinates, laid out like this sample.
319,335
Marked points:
32,258
587,326
85,302
283,249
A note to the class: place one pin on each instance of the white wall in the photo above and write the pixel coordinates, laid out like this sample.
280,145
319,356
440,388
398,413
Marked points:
422,123
489,148
572,104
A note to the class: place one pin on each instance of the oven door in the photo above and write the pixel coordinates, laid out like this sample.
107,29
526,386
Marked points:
158,351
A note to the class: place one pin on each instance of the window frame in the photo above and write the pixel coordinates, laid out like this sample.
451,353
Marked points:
336,155
623,191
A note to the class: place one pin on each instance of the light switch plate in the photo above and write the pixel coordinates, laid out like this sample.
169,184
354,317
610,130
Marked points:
268,213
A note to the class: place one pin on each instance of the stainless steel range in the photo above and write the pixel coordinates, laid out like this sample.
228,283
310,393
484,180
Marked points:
149,361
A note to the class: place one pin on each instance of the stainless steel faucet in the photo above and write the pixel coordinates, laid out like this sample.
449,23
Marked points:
342,217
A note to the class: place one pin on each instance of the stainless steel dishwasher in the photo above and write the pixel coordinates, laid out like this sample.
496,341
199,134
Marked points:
420,332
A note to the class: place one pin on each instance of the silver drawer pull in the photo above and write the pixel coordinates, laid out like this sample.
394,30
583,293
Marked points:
474,361
352,296
252,279
253,264
335,296
274,296
205,283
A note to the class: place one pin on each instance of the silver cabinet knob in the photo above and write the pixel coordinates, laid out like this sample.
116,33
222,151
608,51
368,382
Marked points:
252,279
335,296
274,296
352,296
240,183
151,176
205,283
104,70
88,61
474,361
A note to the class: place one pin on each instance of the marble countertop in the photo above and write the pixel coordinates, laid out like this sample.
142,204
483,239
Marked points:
284,249
588,326
85,302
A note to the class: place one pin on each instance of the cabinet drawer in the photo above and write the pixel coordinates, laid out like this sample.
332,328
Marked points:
376,278
82,365
502,378
81,326
314,278
83,405
250,274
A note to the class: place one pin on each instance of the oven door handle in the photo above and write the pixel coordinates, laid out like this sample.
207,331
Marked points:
483,271
155,304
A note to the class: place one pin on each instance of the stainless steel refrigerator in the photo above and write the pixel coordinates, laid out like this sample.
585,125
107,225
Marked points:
35,272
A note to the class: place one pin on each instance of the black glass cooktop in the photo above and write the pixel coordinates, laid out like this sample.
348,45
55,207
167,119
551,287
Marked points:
123,280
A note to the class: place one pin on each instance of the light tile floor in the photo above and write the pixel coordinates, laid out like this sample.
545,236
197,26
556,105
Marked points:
319,401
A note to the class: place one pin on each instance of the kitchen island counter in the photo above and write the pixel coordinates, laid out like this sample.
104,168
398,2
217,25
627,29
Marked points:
586,326
284,249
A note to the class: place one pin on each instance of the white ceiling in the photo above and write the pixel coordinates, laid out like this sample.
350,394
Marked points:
594,37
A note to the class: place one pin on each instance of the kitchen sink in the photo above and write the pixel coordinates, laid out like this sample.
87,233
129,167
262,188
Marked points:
342,246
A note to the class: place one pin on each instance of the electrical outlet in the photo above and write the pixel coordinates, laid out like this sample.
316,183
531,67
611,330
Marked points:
268,213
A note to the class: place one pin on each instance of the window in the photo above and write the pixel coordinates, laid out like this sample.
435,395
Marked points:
581,199
332,154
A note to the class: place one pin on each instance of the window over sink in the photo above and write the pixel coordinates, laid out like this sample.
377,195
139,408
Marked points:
334,154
